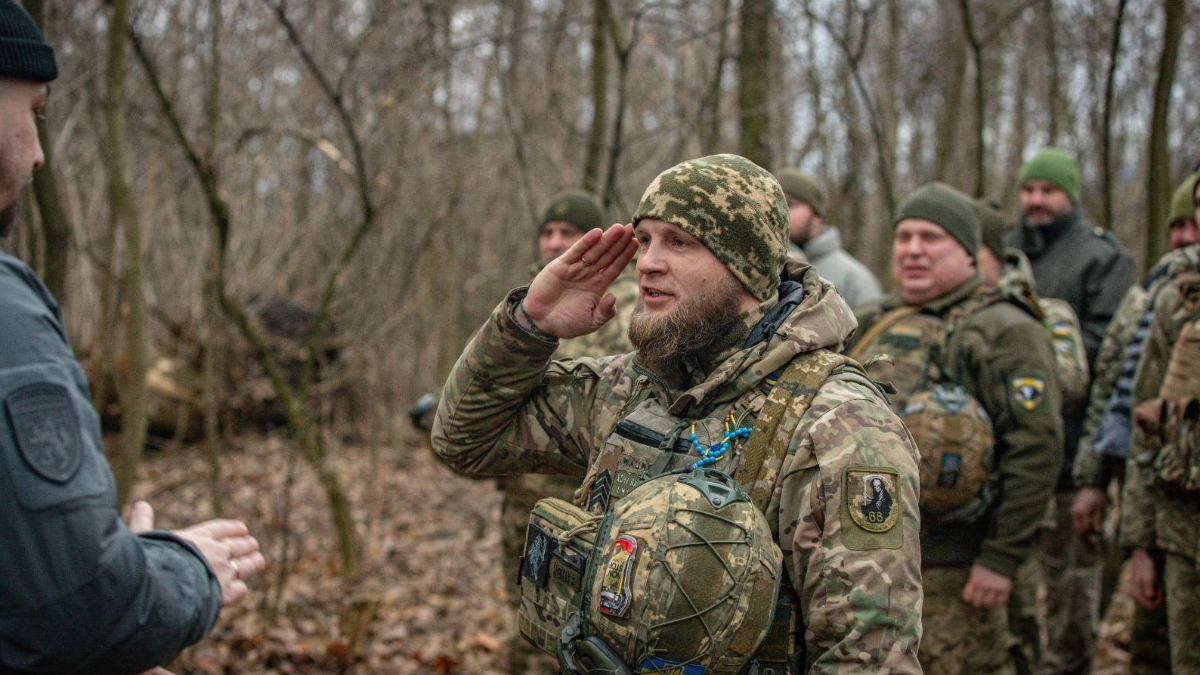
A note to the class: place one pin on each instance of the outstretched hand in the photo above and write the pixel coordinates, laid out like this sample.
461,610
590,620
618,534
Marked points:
568,297
227,545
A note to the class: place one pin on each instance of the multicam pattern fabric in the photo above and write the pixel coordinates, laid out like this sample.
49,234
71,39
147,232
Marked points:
732,205
958,637
1151,518
522,492
507,408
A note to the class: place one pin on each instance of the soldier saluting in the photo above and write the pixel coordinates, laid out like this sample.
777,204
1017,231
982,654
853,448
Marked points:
714,327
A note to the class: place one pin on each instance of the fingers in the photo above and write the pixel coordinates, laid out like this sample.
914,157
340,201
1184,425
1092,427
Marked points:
611,246
141,518
218,529
234,593
585,243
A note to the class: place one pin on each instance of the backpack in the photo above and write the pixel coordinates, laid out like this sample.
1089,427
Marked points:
1070,358
951,429
594,589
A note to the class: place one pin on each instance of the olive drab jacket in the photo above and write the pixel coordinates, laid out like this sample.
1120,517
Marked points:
1005,361
508,408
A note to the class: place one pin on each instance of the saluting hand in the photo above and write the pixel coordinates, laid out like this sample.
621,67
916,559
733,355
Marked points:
567,298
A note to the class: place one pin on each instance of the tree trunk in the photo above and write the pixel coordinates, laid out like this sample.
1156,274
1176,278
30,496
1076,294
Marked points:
1054,77
1106,131
595,144
56,226
710,129
980,101
754,73
133,382
212,307
1158,174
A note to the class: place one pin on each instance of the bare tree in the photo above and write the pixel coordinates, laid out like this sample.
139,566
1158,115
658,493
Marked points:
754,78
1106,144
1158,172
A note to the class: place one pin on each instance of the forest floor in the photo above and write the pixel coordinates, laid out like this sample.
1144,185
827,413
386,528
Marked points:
432,551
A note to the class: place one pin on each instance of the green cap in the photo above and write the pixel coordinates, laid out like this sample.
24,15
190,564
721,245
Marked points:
734,207
575,207
803,187
1182,205
992,225
946,207
1056,166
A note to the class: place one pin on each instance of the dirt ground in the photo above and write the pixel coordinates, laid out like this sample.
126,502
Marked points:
431,549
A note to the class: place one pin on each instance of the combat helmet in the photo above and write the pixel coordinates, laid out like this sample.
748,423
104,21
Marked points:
684,578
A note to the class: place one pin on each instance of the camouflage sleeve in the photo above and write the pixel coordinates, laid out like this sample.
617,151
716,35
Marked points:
1011,372
857,570
1137,504
1090,469
508,409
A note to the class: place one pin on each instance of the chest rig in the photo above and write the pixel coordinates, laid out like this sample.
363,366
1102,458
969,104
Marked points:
952,430
650,444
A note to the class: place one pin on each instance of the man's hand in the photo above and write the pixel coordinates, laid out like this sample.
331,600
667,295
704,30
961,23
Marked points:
1087,511
232,554
986,588
1143,580
567,298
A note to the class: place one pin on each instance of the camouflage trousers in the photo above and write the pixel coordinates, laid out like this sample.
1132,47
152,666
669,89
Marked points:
1181,589
520,494
958,638
1059,639
1149,646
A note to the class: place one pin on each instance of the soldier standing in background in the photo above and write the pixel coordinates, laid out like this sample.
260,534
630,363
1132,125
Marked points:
950,334
1076,261
1104,445
567,217
821,243
1162,486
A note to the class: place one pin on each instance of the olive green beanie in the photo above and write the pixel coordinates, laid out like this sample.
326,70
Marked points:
575,207
731,205
1056,166
946,207
803,187
1182,206
992,225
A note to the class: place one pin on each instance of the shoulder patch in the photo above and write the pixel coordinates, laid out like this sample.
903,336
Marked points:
871,508
46,430
1028,391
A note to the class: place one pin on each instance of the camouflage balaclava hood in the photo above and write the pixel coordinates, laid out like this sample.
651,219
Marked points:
734,207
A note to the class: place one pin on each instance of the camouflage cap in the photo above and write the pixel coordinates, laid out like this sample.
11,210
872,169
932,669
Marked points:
576,207
1182,207
734,207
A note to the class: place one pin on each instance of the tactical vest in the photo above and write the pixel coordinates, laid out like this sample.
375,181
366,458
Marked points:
646,444
952,431
1170,422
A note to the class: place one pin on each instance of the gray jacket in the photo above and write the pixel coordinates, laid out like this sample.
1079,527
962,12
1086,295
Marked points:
79,592
850,277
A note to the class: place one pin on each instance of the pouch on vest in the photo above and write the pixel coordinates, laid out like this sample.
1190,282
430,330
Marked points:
951,429
558,542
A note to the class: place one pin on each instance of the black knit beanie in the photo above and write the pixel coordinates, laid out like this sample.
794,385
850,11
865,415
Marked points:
24,54
944,206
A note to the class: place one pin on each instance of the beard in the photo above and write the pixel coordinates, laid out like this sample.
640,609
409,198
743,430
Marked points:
8,218
690,329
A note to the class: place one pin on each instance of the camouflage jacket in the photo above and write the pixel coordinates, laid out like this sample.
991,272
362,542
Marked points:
507,408
1151,518
1001,347
1092,469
